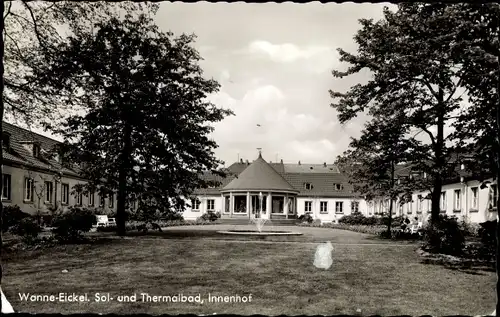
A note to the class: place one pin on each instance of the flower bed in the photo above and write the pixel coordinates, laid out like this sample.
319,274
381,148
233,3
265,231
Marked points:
378,230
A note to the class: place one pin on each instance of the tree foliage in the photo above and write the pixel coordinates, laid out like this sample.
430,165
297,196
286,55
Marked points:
414,73
145,125
477,128
32,31
372,161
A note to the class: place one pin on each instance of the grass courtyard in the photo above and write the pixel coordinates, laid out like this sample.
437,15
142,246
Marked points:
375,276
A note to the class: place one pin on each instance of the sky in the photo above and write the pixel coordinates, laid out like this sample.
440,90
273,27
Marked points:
274,64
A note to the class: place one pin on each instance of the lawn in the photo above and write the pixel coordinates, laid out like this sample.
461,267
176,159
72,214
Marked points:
377,277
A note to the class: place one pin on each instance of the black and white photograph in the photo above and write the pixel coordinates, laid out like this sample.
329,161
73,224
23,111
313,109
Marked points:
250,158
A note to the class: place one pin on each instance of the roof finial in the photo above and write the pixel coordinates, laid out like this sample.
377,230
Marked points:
260,151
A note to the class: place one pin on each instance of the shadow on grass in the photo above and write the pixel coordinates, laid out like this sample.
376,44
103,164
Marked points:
212,235
399,240
468,266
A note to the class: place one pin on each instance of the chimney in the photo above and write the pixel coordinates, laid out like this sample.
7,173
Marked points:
324,164
299,162
281,161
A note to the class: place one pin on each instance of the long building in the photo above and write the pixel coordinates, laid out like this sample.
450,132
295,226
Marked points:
37,180
278,191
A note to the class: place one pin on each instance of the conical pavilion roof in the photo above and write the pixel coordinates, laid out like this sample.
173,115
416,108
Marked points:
259,176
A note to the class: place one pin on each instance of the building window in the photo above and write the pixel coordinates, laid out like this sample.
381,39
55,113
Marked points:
6,183
400,209
210,204
339,207
49,191
6,140
65,194
410,207
227,204
240,204
308,186
291,205
36,150
277,205
101,200
338,186
79,198
419,205
323,207
456,200
429,205
442,201
111,200
132,201
195,204
308,206
474,198
28,189
493,197
91,198
355,207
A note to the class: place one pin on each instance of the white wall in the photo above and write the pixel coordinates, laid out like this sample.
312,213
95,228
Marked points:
190,214
331,214
482,214
33,207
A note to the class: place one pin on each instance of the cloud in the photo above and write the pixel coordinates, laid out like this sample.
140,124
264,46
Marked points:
294,135
316,58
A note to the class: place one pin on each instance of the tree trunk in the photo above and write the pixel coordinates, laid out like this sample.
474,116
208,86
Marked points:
439,162
122,181
497,165
389,223
2,6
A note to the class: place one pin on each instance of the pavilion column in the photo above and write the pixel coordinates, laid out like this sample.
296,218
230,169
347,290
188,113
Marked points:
248,204
223,205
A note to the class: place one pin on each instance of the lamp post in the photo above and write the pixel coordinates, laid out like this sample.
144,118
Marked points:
260,198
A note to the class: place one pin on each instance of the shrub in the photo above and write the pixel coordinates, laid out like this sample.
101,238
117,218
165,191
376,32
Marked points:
354,219
70,226
176,216
12,216
210,216
444,236
470,229
28,229
307,217
487,234
397,234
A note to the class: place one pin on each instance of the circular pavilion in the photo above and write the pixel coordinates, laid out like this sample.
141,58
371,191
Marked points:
259,191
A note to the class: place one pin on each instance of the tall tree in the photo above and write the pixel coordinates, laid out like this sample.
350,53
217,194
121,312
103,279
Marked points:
408,55
146,122
30,29
372,160
478,126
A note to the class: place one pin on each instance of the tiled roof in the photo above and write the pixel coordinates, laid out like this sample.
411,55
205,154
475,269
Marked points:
323,179
207,176
20,154
323,184
312,168
259,175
